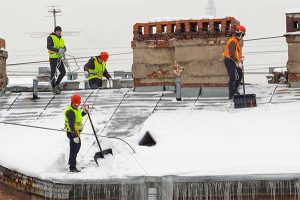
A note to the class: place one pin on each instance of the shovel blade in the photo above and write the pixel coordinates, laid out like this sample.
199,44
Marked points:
244,101
101,154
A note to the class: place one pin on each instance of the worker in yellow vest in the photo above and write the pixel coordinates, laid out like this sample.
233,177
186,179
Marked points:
56,49
73,125
95,69
233,59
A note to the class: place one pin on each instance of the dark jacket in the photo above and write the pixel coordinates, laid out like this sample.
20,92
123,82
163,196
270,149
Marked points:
50,45
71,119
91,65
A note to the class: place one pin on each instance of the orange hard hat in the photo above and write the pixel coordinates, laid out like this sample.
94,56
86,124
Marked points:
241,29
76,99
104,56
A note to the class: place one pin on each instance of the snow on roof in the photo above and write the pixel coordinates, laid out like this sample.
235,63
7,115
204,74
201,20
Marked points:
293,10
280,69
261,140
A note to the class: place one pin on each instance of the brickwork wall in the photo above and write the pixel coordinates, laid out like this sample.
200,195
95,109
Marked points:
293,40
2,43
3,75
9,193
292,22
197,45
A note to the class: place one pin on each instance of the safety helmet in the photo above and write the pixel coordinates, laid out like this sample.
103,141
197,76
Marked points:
241,29
76,99
104,56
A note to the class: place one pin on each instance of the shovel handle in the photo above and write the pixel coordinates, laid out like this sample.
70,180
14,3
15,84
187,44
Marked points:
88,113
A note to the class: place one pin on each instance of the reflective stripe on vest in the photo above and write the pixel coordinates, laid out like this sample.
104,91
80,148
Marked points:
98,71
78,120
238,49
58,43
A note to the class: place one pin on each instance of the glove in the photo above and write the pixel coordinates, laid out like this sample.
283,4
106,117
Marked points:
76,140
61,51
239,65
110,83
86,108
86,74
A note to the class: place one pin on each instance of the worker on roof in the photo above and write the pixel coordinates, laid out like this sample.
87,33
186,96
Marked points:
73,125
233,59
56,49
95,69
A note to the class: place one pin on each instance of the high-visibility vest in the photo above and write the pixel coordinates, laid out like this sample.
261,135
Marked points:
78,120
238,49
58,43
98,71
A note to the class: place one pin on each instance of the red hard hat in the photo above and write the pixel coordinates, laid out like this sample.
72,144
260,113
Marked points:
104,56
76,99
241,29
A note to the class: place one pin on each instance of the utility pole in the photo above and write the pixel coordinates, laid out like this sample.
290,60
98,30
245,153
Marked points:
54,11
211,9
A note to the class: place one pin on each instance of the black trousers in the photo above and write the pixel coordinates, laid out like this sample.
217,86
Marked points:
95,83
74,149
60,67
235,76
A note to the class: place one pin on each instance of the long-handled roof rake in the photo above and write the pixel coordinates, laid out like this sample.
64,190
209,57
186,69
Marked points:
101,153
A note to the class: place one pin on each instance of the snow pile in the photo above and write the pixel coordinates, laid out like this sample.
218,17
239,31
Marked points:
280,69
262,140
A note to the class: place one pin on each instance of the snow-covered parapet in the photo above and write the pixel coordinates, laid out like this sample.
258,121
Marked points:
162,19
293,11
293,33
280,69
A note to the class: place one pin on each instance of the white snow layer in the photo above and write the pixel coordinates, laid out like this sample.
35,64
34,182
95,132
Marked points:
262,140
293,10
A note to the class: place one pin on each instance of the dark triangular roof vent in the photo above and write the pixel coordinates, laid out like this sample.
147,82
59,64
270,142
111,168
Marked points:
147,140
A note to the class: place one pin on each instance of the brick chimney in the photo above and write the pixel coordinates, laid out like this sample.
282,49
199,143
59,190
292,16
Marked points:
293,39
195,44
3,57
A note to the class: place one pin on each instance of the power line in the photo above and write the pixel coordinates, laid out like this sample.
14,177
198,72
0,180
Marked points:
264,38
46,61
258,52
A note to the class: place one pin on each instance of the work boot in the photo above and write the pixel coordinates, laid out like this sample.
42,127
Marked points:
56,90
75,170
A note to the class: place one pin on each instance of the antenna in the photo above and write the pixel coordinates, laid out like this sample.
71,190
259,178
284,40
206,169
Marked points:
211,9
54,11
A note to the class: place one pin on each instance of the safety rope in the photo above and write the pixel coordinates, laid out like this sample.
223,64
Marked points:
162,94
273,93
13,101
108,120
62,130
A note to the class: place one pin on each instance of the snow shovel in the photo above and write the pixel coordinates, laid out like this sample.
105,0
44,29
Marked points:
101,153
245,100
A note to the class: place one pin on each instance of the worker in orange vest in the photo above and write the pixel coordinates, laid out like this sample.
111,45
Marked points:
233,59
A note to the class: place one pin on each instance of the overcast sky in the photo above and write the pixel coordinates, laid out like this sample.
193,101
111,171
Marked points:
107,25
